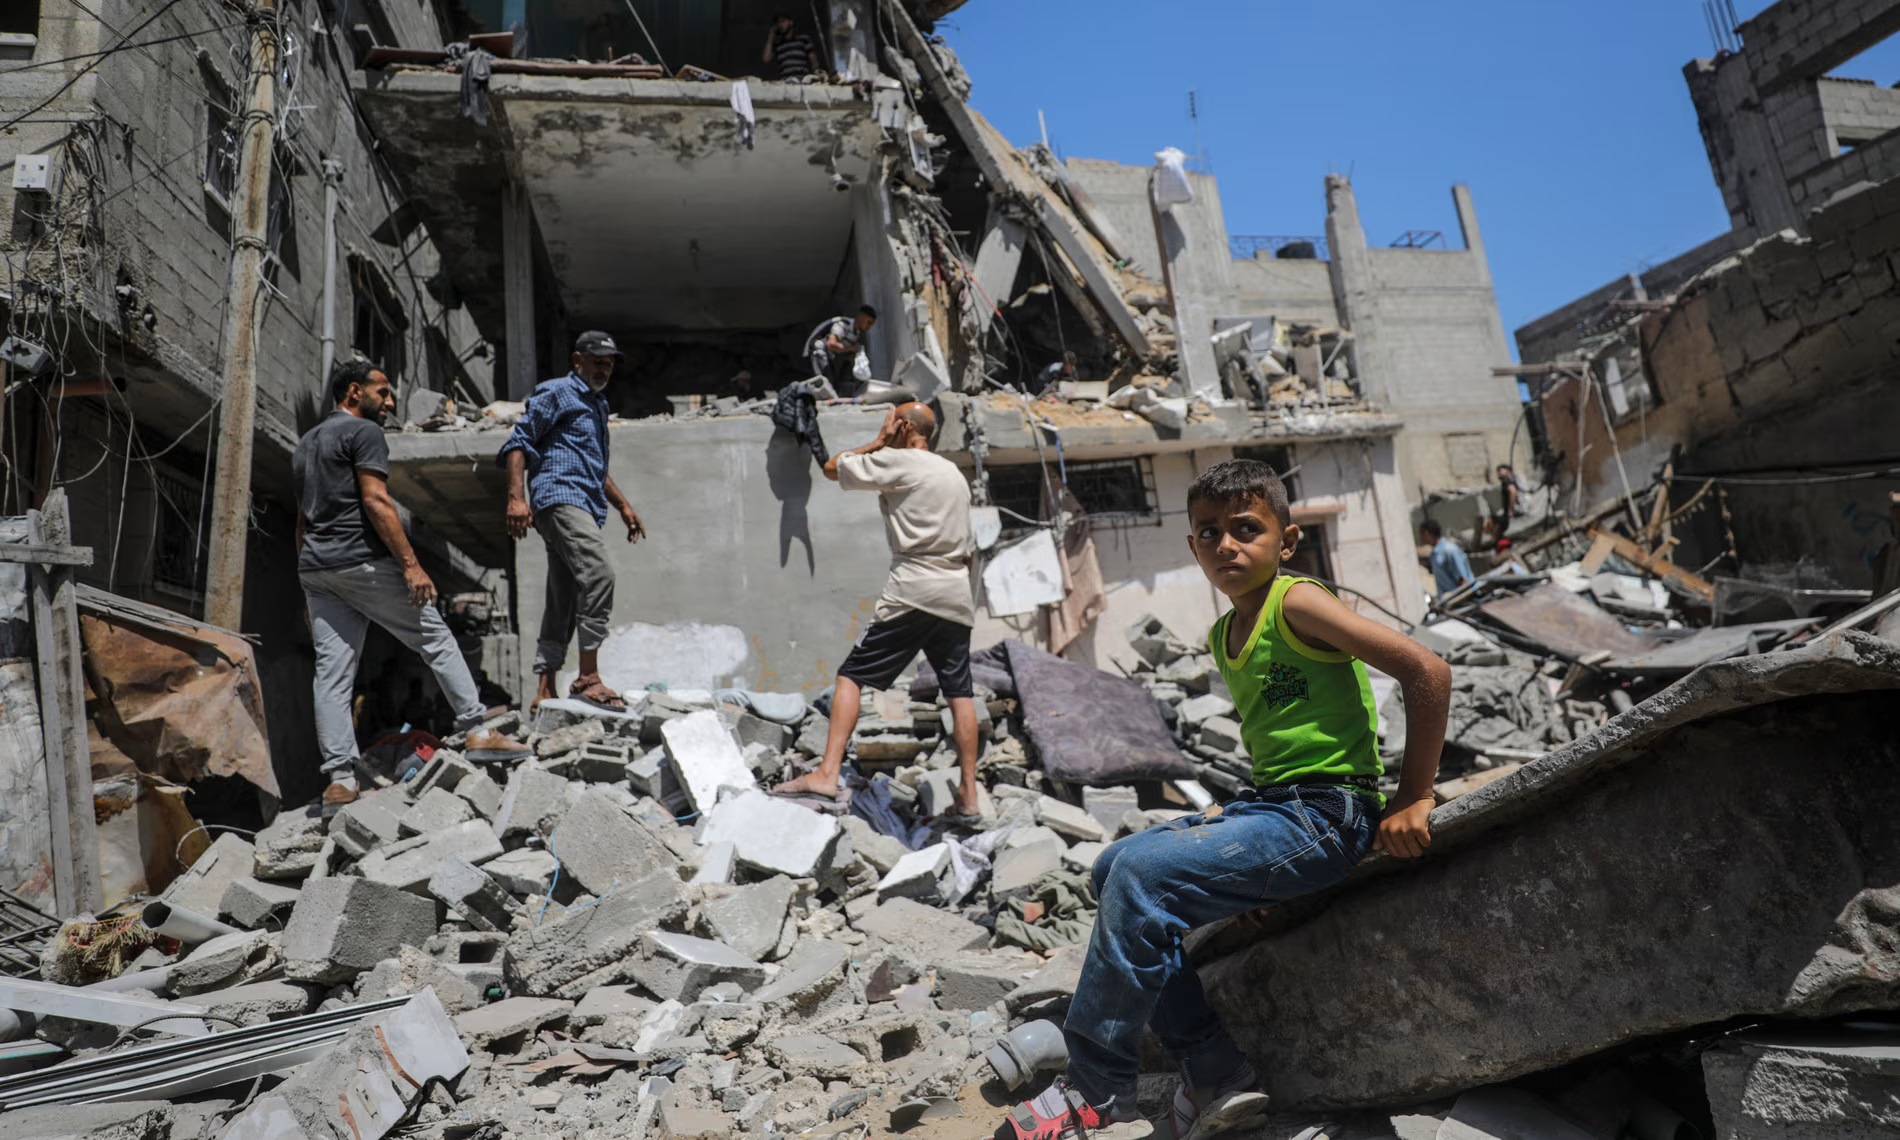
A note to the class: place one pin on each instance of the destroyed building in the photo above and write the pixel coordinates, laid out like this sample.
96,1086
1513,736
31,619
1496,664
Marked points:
1753,372
621,932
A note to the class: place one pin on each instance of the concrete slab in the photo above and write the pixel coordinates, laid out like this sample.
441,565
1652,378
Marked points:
921,932
408,863
568,955
750,919
1790,925
201,888
706,757
341,927
1015,868
601,846
1822,1084
507,1021
528,871
773,835
679,966
254,903
468,891
810,973
978,981
1068,821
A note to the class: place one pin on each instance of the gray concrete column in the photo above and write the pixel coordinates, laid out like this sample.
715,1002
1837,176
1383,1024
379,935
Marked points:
517,271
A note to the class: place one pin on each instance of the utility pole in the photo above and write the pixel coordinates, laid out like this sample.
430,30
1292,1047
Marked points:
231,497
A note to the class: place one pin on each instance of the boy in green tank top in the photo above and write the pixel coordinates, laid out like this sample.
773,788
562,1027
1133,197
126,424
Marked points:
1294,659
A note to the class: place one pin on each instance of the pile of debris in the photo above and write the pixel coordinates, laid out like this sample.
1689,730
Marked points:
626,933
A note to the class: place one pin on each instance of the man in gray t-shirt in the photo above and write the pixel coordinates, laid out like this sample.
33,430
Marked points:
357,566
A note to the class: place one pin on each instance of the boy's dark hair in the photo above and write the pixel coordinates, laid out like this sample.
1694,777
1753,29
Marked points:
346,373
868,311
1234,479
1432,527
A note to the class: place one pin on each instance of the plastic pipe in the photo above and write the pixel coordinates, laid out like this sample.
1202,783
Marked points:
187,926
1031,1046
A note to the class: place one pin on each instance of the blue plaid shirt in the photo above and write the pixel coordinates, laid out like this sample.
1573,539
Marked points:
564,436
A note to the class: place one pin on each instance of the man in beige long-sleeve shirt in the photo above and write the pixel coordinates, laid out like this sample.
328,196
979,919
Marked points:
927,606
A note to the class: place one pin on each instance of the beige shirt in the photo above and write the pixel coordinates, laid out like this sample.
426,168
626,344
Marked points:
926,505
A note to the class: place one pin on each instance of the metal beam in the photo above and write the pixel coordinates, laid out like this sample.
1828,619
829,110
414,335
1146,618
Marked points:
68,762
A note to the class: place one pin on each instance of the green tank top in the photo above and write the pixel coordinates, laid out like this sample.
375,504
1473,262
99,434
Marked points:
1307,715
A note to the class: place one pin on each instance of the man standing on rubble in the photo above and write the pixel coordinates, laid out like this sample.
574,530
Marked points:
357,566
558,484
1450,568
927,605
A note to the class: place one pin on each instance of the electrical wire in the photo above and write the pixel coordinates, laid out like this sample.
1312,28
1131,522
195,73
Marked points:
1792,481
84,71
122,47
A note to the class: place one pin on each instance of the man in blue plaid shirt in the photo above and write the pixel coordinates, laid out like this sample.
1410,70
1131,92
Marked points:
558,484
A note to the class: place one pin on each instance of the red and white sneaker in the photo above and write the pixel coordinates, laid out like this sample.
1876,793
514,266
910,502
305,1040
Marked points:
1200,1112
1061,1113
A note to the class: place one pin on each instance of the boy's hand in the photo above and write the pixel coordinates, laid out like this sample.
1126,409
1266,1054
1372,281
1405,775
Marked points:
1406,830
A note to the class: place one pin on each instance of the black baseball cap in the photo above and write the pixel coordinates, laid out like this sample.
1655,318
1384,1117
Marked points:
596,343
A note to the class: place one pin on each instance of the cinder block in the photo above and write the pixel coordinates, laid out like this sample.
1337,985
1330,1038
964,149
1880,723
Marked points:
923,875
468,891
253,903
533,801
706,757
435,810
750,919
600,845
771,834
341,927
202,888
1067,820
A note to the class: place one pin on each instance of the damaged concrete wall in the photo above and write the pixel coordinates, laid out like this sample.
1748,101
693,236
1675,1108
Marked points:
1776,359
1291,289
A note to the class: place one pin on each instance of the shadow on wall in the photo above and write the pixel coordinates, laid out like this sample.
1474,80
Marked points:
788,464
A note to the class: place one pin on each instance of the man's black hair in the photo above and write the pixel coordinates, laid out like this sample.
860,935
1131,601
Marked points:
1432,527
1238,479
868,311
346,373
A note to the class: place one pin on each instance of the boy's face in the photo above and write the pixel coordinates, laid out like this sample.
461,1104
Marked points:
1239,543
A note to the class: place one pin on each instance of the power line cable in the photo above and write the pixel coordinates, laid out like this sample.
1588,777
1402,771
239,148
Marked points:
121,47
84,71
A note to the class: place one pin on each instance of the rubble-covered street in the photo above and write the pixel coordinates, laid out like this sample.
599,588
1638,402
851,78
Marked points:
473,475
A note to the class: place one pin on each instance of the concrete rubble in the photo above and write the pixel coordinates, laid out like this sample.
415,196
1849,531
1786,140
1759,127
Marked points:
768,966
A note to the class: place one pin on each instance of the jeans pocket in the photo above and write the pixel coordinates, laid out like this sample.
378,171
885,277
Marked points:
1312,868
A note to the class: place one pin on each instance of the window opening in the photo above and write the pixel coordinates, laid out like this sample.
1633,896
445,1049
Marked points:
179,535
1116,491
1278,458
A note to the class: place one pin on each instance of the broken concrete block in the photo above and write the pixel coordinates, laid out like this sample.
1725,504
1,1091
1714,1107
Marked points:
564,740
532,802
714,864
258,1002
598,762
978,981
528,872
814,1054
341,927
366,1084
588,947
1067,820
287,847
1082,856
409,863
481,793
770,834
508,1022
922,875
1838,1084
1195,710
1195,674
679,966
706,758
809,974
678,1123
1107,806
937,794
227,960
411,971
201,888
1222,734
770,735
922,932
750,919
600,845
876,848
251,903
1015,868
367,824
1031,836
434,810
469,892
604,1002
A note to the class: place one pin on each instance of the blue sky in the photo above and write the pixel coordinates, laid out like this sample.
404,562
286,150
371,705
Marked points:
1569,119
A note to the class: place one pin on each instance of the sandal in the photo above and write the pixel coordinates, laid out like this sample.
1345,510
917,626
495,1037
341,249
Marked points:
590,690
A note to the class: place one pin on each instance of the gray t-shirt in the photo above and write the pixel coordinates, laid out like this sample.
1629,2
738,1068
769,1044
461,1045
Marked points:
336,532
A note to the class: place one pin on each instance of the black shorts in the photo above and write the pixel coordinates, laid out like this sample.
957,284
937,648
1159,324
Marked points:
888,648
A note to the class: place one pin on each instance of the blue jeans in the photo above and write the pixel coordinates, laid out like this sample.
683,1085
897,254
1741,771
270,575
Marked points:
1157,885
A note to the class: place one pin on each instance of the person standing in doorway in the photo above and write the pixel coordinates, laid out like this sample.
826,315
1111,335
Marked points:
792,50
558,485
927,605
356,566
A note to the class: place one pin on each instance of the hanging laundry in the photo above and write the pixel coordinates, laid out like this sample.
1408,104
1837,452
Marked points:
742,107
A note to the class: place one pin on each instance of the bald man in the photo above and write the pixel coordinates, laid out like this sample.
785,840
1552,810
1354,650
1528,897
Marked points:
926,606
